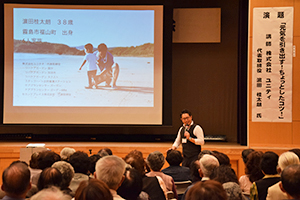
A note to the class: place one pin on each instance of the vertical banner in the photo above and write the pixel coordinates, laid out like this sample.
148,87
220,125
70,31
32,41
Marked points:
272,64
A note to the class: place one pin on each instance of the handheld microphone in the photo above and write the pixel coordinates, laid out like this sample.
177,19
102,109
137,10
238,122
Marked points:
186,127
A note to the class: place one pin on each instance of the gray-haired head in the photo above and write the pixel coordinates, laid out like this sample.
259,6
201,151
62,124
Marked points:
67,172
110,169
51,193
156,160
286,159
66,152
207,164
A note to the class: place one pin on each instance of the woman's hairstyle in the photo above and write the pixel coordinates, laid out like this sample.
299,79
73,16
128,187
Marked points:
245,154
136,160
224,174
207,190
253,169
93,189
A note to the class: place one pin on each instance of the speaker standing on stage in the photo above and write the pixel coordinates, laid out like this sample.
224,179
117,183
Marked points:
191,137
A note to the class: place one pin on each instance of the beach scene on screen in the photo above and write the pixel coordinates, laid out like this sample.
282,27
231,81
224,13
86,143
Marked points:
49,50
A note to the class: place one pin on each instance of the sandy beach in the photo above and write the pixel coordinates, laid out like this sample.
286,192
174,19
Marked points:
55,80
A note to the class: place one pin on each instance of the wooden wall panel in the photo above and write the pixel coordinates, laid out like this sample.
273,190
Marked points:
296,80
296,18
271,3
296,134
270,134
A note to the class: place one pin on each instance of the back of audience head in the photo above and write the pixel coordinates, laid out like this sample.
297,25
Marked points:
286,159
269,162
174,157
132,185
93,189
156,160
47,158
93,160
234,191
203,152
49,177
207,164
16,179
290,181
296,151
66,152
252,166
136,160
245,154
80,162
110,169
105,151
222,158
224,174
51,193
195,166
33,162
67,172
207,190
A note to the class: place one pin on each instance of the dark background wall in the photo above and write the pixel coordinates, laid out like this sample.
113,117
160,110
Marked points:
204,80
205,75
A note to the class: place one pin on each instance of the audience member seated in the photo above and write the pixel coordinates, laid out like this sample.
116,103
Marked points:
105,151
285,159
67,172
244,181
194,168
156,161
268,164
296,151
51,193
227,177
203,152
245,154
16,181
93,189
93,160
66,152
290,181
81,163
131,188
45,159
252,171
33,165
49,177
151,185
110,170
177,172
207,164
222,158
207,190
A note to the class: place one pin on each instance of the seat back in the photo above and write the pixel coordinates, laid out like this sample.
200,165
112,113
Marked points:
181,186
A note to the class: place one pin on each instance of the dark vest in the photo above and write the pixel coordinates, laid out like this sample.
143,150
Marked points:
263,185
190,149
152,188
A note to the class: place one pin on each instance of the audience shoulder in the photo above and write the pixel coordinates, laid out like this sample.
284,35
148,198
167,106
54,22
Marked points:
51,193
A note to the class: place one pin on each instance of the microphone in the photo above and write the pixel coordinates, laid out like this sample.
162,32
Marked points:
186,127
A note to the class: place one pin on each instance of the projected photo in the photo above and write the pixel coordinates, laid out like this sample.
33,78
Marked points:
83,58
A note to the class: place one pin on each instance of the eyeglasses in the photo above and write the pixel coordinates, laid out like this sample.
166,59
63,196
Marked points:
186,118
